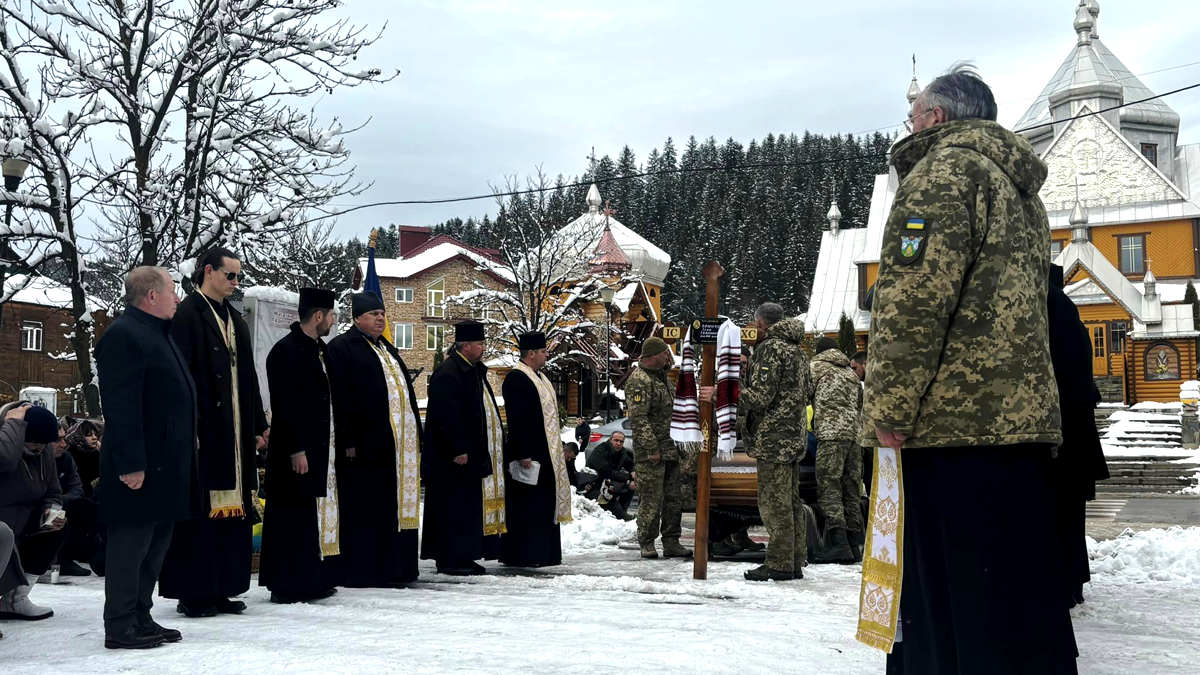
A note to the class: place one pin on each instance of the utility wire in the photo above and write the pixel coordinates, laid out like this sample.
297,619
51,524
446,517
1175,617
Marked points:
699,169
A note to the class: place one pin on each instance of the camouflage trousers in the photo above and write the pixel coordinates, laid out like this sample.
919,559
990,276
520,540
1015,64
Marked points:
839,484
783,514
660,499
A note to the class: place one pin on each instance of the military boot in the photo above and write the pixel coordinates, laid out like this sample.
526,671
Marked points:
722,549
837,549
764,573
857,541
673,549
649,552
742,540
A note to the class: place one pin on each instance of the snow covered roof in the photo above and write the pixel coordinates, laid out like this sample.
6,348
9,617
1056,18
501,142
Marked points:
650,261
43,291
624,298
275,294
1187,170
835,286
1176,322
882,196
426,259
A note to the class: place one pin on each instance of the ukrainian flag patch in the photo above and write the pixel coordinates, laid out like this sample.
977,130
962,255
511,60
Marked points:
916,224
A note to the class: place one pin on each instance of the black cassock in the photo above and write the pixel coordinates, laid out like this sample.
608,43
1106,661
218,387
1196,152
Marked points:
374,554
452,533
291,562
209,559
533,538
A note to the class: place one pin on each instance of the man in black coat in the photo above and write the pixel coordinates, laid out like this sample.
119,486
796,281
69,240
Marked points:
1080,461
300,528
148,459
534,512
378,438
612,462
209,559
463,468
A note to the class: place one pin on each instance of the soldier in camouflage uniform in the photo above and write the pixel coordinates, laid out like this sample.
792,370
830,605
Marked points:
959,377
655,457
837,403
775,401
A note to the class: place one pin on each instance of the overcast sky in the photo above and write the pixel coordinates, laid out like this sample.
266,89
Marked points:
495,87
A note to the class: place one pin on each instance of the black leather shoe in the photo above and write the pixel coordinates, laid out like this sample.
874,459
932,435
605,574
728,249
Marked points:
457,571
281,599
477,569
327,593
193,609
132,637
71,569
227,606
151,627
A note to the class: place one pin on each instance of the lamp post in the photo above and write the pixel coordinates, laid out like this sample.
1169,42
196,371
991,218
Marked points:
13,170
606,296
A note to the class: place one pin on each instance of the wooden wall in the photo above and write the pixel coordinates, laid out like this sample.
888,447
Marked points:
1164,391
1169,246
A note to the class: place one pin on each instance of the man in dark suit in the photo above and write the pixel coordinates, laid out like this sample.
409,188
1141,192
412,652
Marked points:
209,559
378,437
148,460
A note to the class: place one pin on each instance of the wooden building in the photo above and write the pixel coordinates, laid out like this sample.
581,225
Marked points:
1122,198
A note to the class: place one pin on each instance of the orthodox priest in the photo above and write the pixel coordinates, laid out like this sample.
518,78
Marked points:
209,559
379,453
301,527
464,495
535,511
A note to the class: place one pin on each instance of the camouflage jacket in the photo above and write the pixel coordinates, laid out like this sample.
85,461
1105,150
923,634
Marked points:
778,389
650,404
837,397
959,331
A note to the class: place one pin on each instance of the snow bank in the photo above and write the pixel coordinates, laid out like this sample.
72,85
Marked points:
1151,555
273,294
593,527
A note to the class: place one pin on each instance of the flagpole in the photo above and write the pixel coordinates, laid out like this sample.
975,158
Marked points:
712,292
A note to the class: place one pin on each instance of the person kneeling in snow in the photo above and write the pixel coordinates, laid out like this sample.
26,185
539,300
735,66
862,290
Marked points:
614,464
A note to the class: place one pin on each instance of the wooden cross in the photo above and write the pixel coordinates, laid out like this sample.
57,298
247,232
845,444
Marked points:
712,291
607,209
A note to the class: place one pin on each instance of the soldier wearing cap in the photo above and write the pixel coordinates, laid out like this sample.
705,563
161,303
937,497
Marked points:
655,456
300,530
378,438
464,467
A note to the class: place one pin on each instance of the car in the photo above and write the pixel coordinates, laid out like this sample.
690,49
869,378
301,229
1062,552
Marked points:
602,432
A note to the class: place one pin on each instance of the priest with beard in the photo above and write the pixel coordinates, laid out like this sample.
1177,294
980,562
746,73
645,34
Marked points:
378,437
209,559
534,511
464,472
300,529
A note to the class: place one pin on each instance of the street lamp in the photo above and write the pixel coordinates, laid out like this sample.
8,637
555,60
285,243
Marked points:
14,171
606,296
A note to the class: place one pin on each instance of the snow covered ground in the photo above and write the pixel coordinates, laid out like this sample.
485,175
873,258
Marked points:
605,610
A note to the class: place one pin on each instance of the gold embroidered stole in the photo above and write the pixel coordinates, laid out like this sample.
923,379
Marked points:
404,430
549,403
228,503
493,485
328,520
883,557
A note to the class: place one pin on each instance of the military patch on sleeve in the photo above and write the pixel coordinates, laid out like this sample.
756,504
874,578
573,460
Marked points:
766,369
637,398
913,240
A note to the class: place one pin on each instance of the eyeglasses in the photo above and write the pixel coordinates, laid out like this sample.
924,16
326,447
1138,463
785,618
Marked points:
233,275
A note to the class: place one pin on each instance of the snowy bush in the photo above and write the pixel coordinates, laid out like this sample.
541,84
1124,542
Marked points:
1152,555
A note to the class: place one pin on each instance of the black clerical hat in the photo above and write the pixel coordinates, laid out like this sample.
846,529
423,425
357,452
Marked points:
533,340
365,302
469,331
317,298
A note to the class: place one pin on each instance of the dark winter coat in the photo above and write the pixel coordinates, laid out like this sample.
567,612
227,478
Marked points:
583,432
1081,458
198,335
150,423
87,460
610,463
360,397
300,417
455,421
68,479
28,481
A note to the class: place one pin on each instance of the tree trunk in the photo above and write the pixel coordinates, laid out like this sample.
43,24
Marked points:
84,332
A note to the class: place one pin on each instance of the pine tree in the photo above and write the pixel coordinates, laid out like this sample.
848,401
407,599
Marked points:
847,342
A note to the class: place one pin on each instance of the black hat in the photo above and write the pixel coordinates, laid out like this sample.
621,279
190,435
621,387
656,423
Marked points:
1056,276
533,340
469,331
365,302
825,344
317,298
41,426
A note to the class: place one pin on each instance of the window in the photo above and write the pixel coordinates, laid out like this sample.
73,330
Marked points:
1116,337
403,335
487,314
653,293
1162,362
1056,247
435,294
1150,152
1132,250
435,338
31,336
404,295
1098,342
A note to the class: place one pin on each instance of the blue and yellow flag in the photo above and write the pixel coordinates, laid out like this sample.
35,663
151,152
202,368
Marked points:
371,282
